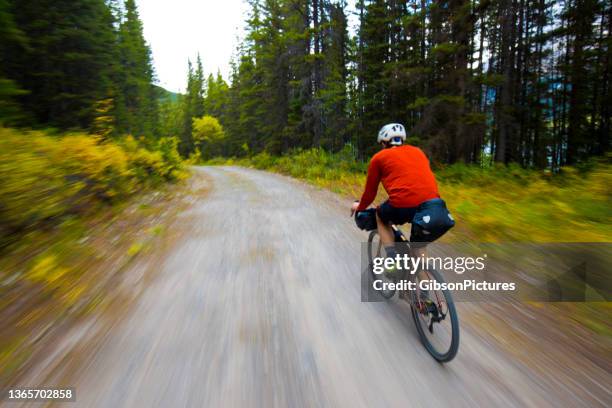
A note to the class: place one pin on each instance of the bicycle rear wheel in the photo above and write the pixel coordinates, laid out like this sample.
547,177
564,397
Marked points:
376,250
436,318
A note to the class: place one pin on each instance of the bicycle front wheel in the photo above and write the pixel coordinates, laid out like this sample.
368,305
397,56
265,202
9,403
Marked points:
376,250
435,317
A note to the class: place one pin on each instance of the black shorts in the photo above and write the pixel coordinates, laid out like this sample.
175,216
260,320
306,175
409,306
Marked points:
429,221
393,215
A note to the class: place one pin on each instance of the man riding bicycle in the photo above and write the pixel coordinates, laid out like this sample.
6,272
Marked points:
413,193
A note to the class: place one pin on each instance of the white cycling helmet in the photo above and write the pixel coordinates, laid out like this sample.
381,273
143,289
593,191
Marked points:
392,133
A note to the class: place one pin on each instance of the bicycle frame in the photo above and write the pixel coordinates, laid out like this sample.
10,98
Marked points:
437,309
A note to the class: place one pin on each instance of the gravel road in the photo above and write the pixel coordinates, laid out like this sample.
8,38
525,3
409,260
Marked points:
259,306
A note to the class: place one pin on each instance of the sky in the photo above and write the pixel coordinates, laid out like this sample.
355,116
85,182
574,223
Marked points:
178,29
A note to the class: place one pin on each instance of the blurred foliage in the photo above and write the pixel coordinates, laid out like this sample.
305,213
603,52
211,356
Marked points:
512,203
44,179
59,199
103,122
498,203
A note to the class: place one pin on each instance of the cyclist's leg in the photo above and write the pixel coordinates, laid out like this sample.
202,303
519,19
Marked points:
386,215
387,238
385,231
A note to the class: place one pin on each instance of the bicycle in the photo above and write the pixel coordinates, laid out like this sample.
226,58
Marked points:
427,310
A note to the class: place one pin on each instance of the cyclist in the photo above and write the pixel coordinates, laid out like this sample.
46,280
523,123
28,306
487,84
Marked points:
413,193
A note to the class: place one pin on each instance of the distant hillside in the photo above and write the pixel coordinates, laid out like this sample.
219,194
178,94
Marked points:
166,95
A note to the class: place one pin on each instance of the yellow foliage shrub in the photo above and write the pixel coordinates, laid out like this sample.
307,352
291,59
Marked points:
31,189
162,164
43,178
102,167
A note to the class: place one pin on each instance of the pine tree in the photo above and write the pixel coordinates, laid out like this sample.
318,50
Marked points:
137,99
581,17
193,105
523,81
12,40
197,90
373,55
216,101
333,93
64,66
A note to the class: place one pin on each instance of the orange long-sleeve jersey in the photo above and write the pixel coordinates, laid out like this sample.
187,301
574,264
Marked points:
405,175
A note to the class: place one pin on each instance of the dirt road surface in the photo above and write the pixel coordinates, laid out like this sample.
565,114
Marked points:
258,305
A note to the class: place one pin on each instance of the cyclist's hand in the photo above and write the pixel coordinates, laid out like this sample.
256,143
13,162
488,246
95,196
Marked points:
354,207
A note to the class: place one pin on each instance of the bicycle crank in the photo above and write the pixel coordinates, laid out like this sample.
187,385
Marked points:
436,316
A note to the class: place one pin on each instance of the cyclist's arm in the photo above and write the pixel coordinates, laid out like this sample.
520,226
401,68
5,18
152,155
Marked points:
371,187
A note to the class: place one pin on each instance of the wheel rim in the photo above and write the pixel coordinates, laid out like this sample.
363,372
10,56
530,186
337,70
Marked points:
436,320
376,250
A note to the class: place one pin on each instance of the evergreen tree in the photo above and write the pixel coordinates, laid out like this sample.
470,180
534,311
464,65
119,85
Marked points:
217,95
524,81
581,18
192,105
333,92
65,66
137,99
12,40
